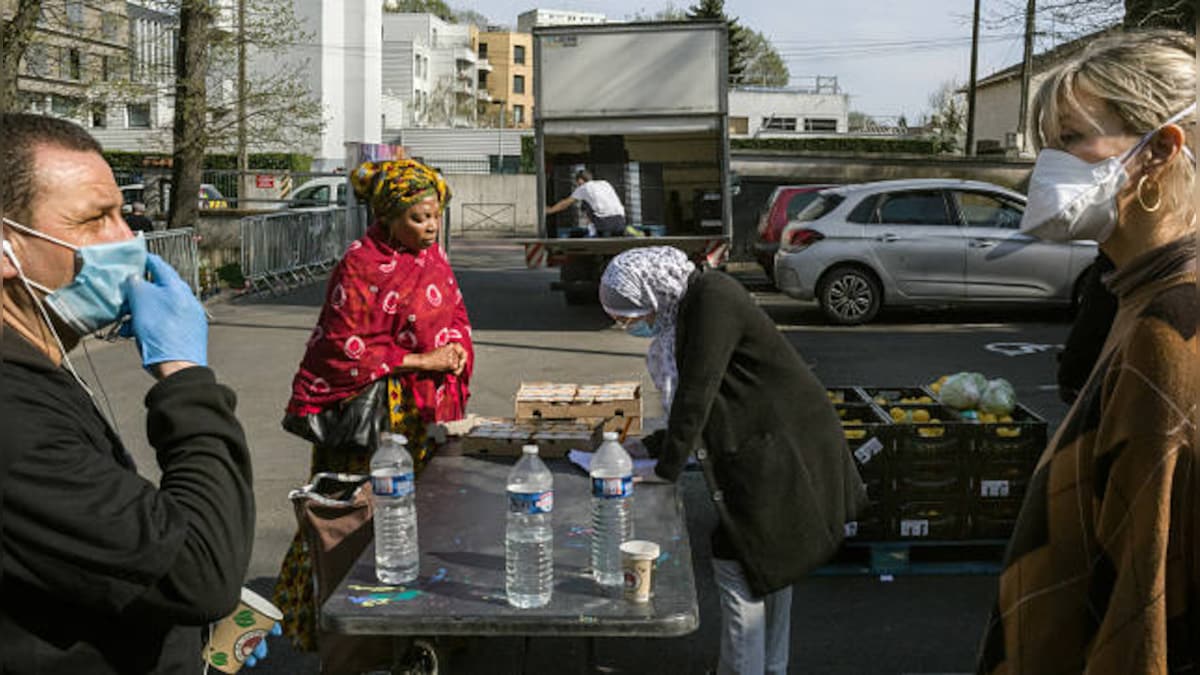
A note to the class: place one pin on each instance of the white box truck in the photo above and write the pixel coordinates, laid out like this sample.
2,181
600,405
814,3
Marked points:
644,107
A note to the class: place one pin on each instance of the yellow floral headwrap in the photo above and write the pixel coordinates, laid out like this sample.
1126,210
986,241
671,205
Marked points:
392,187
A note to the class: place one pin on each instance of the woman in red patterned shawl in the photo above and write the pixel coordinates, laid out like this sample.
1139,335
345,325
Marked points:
393,309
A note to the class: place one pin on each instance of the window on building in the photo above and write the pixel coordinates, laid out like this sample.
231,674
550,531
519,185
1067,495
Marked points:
820,124
518,114
483,79
519,54
73,65
779,123
483,50
518,84
99,115
37,61
64,106
75,13
137,115
739,125
106,68
110,26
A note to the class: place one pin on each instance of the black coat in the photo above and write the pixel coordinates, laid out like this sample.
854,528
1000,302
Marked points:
1096,311
776,445
101,571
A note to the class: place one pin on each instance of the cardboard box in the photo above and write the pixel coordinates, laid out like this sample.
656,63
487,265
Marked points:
615,404
498,437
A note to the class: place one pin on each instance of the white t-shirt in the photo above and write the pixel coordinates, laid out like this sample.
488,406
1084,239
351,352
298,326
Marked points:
601,197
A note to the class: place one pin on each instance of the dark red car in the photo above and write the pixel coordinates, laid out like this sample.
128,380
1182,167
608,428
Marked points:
785,202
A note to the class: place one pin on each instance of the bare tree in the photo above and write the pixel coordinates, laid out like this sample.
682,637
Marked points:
947,121
1068,19
191,110
16,32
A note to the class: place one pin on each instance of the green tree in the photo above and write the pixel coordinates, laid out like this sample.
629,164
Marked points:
947,120
859,121
436,7
668,13
764,66
715,9
472,17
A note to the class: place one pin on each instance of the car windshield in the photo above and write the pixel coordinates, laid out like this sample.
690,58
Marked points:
818,207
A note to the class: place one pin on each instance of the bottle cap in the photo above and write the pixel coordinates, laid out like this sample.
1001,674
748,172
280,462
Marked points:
611,435
529,449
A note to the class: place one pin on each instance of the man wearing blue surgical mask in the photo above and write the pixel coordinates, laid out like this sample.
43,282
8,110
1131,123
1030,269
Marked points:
100,570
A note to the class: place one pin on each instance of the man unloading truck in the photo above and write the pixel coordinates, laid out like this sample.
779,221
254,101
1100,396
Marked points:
599,202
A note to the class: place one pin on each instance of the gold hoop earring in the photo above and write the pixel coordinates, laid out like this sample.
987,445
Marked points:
1157,191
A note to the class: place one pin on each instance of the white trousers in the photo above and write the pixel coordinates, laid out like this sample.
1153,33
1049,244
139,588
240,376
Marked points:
755,631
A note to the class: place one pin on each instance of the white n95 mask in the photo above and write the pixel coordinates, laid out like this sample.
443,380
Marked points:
1071,199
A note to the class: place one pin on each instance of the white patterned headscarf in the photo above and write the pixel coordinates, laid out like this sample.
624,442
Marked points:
644,280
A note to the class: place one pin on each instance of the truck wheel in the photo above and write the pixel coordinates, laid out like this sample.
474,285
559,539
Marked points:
849,295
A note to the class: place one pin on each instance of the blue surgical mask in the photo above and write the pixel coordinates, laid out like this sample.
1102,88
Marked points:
95,298
642,328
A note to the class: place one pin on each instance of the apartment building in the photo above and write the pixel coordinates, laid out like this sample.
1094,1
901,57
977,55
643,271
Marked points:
431,69
78,49
509,83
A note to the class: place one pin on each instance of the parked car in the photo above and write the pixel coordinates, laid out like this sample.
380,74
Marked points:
210,197
320,192
782,206
857,248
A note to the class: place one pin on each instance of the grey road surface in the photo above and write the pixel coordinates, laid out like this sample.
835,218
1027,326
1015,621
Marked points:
525,332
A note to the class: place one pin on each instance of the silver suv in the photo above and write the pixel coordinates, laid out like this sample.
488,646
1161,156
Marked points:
856,248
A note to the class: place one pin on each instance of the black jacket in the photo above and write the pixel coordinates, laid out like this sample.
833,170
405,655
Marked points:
1094,318
101,571
776,445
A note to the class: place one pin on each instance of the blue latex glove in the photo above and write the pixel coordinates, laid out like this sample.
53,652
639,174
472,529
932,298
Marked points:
167,320
260,652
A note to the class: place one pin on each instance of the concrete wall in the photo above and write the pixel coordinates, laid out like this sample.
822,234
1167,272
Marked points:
511,200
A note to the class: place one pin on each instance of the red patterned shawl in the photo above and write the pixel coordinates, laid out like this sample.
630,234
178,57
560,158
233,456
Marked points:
383,302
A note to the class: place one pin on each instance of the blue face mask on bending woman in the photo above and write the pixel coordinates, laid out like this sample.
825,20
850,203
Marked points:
643,329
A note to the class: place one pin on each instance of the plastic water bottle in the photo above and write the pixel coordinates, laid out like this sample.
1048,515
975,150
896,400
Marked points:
612,509
397,559
529,537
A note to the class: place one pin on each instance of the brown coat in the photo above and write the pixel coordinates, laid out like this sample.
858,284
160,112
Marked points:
1101,573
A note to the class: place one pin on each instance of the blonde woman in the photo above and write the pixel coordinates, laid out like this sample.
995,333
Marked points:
1103,569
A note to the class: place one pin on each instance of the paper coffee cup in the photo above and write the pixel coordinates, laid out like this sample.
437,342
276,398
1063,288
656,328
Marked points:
235,637
637,561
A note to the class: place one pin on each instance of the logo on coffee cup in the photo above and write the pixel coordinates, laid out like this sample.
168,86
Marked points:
246,644
631,580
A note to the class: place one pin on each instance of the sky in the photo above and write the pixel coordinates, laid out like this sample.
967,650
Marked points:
888,55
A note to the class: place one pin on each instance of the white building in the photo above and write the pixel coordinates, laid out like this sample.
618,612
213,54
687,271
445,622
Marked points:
555,17
771,112
430,71
998,100
343,58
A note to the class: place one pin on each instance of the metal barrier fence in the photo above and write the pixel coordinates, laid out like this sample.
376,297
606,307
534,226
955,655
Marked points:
283,250
178,247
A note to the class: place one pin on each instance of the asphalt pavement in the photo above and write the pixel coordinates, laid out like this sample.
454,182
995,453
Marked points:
523,331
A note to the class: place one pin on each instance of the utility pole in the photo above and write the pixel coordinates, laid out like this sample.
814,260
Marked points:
243,155
1026,74
971,86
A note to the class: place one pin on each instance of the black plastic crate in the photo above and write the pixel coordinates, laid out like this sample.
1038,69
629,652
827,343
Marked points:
1016,441
934,520
889,396
873,523
865,429
1000,480
920,482
994,518
845,395
943,438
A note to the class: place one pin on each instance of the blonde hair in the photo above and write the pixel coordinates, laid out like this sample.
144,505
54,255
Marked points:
1145,78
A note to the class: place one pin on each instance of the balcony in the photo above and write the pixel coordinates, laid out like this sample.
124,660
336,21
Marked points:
484,66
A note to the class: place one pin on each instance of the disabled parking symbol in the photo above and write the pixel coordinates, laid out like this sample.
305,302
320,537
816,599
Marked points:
1019,348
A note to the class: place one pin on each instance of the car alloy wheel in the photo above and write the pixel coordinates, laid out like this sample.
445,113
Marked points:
850,296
